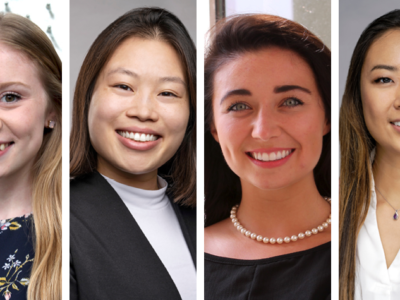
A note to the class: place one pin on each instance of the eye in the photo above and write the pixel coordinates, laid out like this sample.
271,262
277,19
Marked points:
383,80
10,98
123,87
167,94
292,102
238,107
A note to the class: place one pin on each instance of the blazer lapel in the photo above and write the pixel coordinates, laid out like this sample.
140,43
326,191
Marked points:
187,220
123,241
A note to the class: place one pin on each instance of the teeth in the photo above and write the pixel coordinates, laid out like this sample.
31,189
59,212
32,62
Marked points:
272,156
138,137
3,146
396,123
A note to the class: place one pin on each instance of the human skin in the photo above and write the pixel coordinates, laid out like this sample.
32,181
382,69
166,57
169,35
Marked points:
276,107
24,112
141,89
380,94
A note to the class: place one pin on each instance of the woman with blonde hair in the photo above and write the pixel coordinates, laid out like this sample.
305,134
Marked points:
30,162
369,230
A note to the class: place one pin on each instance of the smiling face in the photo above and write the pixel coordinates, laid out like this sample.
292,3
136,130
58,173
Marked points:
139,109
23,112
380,91
268,117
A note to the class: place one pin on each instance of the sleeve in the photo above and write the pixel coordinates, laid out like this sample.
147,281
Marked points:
73,288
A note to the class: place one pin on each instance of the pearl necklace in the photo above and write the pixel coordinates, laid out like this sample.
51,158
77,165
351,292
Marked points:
279,240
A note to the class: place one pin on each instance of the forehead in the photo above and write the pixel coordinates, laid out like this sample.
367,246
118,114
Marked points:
147,56
16,66
385,50
265,69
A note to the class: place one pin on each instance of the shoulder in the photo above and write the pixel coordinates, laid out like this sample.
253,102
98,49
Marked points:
215,234
88,192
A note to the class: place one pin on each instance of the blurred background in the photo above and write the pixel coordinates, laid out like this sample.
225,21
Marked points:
315,15
47,14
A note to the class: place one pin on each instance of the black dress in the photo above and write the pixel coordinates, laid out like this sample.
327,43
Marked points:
300,275
16,257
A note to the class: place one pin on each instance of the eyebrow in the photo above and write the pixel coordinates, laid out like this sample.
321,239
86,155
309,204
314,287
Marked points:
135,75
278,89
384,67
8,84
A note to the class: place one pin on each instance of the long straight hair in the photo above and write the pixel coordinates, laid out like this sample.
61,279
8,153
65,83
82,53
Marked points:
45,280
231,38
356,145
147,23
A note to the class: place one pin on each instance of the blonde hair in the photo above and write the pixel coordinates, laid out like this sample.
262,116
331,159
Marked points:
45,281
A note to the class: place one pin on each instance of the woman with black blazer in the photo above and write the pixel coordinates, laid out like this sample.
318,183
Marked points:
132,162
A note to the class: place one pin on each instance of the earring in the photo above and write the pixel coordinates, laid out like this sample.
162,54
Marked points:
50,124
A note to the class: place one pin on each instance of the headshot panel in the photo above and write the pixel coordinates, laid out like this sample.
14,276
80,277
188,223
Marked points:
267,159
30,161
369,128
132,161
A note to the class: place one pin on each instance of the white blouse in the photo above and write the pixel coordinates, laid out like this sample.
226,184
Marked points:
374,281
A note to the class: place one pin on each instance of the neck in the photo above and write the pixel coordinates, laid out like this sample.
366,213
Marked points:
16,195
386,170
146,181
289,209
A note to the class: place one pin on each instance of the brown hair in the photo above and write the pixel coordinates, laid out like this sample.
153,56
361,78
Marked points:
45,281
356,145
148,23
231,38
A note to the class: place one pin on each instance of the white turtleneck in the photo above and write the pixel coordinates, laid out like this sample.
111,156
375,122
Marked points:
155,216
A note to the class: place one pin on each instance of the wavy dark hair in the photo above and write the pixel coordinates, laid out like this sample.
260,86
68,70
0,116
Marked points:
356,145
233,37
148,23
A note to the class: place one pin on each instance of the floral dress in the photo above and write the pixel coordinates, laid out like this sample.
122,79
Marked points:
16,257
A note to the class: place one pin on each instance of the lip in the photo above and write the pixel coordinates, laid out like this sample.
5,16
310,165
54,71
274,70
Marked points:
270,164
140,146
2,153
139,130
397,128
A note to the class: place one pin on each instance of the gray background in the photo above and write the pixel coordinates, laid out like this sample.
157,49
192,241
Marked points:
354,17
88,18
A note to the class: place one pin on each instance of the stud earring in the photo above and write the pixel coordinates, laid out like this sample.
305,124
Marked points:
50,124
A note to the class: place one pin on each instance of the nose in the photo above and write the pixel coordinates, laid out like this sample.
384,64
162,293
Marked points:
144,108
397,100
266,126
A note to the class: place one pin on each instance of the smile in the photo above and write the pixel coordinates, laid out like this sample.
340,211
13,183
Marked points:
396,123
138,137
273,156
4,146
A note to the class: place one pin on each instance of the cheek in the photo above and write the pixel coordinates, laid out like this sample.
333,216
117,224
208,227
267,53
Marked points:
175,119
100,114
374,108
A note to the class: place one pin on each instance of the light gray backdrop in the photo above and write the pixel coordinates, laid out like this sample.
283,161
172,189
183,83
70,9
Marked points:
354,17
88,18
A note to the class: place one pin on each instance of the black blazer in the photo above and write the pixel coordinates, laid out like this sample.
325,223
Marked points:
110,256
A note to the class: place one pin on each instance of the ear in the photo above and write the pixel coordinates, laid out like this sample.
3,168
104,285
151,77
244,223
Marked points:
51,118
214,132
327,127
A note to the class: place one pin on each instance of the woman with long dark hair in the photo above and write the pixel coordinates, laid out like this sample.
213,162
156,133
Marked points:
133,223
267,155
369,230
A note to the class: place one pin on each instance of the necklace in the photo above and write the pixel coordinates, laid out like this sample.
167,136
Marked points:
396,215
278,240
